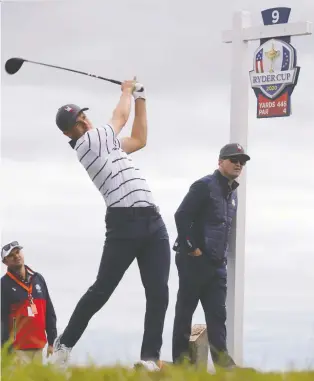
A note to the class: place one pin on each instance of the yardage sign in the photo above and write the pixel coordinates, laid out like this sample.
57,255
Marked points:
274,73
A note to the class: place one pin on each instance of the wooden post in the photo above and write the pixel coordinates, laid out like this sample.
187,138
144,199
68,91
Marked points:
199,345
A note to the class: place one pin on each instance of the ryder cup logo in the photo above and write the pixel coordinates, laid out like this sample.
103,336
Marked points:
274,67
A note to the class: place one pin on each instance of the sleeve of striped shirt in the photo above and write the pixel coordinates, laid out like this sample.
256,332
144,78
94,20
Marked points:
102,140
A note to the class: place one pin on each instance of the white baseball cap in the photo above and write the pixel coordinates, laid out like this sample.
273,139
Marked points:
6,249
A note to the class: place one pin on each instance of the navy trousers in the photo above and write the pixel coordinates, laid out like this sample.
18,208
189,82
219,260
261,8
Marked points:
131,233
200,280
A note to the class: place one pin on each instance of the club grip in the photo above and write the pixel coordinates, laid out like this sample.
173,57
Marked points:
115,81
138,86
108,79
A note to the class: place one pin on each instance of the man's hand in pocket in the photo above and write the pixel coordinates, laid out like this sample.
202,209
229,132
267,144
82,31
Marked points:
196,253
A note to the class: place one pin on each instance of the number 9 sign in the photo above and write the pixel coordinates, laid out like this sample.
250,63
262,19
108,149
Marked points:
278,15
275,16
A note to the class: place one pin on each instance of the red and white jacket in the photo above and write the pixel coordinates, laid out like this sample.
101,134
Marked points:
28,317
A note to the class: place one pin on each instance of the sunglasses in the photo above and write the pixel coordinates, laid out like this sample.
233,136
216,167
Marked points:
9,245
235,161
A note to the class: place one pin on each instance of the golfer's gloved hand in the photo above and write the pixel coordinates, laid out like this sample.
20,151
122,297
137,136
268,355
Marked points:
139,91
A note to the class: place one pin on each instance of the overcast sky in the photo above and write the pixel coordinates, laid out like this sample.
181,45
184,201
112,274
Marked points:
50,205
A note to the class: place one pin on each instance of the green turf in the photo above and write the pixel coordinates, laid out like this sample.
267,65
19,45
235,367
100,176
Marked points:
37,372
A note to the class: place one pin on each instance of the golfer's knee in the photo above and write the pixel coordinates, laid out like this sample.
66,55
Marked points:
158,295
100,290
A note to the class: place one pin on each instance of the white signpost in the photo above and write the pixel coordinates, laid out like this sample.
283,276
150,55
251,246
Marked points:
242,32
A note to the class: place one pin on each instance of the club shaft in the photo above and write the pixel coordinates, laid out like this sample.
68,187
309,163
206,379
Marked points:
76,71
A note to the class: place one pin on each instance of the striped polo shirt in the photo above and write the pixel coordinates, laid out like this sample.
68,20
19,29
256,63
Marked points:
111,169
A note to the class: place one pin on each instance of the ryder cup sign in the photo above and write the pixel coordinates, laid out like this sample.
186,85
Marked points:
274,73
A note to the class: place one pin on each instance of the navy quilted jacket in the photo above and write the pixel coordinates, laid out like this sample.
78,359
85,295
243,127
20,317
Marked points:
204,217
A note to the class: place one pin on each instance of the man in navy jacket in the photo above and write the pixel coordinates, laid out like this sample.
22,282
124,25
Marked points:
28,318
203,222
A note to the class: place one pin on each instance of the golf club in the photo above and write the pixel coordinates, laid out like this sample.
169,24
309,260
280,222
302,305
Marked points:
13,65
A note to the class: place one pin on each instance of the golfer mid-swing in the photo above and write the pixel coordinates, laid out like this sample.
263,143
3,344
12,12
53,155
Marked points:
134,227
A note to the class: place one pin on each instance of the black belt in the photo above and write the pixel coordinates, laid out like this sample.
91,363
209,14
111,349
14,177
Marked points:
134,211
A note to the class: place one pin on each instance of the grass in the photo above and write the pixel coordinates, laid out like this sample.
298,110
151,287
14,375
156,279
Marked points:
37,372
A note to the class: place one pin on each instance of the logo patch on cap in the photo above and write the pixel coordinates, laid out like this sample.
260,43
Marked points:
239,148
68,108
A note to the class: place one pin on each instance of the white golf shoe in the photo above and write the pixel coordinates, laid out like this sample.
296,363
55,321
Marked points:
61,354
148,365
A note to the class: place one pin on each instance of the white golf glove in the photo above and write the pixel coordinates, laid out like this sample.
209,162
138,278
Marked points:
139,92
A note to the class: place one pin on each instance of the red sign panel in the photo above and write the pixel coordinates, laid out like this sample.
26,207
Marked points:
270,108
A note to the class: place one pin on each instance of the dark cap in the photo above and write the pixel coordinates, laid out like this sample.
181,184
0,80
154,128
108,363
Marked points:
232,150
66,116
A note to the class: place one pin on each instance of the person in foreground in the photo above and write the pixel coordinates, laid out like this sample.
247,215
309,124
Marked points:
203,222
134,227
28,318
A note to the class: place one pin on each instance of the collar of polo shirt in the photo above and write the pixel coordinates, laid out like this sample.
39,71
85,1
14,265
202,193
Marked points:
73,143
